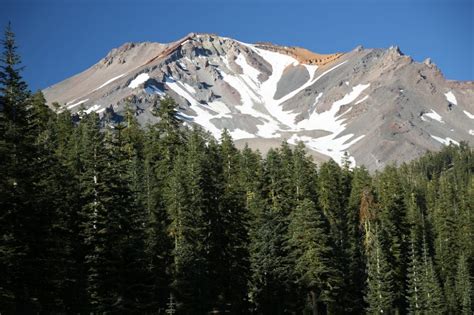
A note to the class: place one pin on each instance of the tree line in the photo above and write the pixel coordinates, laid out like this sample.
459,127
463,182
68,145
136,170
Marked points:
99,218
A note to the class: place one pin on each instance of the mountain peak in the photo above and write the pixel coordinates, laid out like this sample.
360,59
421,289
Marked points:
375,104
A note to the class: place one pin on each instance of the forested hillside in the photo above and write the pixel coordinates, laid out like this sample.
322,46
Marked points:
100,218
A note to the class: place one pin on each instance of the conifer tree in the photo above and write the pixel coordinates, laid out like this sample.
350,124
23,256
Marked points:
188,205
392,219
22,221
463,287
304,176
414,276
230,228
162,142
311,250
415,270
445,224
331,201
251,180
380,296
271,283
433,301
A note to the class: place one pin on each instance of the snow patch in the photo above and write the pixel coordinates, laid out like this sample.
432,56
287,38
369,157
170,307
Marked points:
77,103
268,88
247,85
363,99
203,116
471,132
180,90
249,72
109,81
141,78
219,107
332,145
238,134
445,141
93,108
327,71
352,96
433,115
451,98
468,114
317,99
327,145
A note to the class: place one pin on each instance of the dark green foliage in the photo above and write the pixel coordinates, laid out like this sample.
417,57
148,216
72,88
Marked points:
463,286
333,193
355,276
312,254
25,205
380,295
391,217
104,218
271,270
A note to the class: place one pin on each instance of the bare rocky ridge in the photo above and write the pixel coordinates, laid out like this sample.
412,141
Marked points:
301,54
377,105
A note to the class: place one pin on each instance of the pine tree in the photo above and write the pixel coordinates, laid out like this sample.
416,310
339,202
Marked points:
188,206
127,149
92,214
332,201
463,287
424,294
415,270
162,143
271,287
432,294
304,177
24,224
67,153
230,230
53,245
380,296
355,276
251,180
391,216
415,273
445,225
311,250
271,274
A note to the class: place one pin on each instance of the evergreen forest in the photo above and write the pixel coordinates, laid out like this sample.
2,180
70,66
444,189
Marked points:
105,218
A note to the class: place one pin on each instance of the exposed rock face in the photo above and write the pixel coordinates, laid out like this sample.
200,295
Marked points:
377,105
301,54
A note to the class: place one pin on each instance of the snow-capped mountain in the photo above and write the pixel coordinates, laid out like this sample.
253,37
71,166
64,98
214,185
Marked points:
377,105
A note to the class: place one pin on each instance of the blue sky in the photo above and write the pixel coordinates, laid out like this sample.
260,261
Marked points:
59,38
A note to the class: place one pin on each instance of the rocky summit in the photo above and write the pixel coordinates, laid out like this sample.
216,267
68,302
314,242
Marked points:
378,105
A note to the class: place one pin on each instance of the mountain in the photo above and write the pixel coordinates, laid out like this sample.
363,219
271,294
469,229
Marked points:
378,105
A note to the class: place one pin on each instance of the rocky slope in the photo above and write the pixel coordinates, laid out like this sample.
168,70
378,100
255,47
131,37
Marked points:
377,105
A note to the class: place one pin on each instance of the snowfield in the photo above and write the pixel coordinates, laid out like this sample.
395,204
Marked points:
433,115
445,141
141,78
451,98
110,81
275,119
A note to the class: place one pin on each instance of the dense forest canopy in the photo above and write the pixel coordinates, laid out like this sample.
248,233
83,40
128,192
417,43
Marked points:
114,218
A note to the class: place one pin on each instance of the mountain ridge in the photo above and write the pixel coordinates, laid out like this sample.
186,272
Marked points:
378,105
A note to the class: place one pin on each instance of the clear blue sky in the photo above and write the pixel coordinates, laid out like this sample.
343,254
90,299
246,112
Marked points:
59,38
